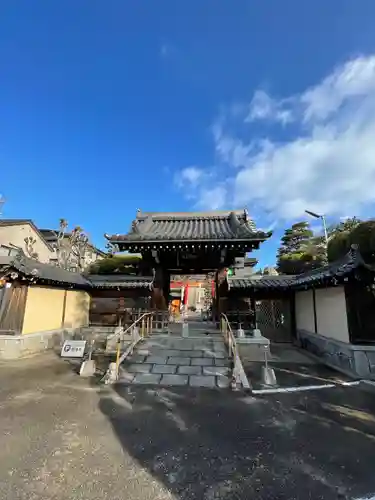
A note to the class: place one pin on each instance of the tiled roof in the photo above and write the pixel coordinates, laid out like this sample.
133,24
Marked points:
340,268
119,281
39,271
193,226
260,282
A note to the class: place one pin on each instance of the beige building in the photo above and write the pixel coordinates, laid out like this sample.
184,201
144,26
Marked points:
13,233
39,244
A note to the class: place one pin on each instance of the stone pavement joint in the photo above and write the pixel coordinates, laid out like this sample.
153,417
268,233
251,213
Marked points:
202,361
174,380
202,381
139,368
179,361
169,369
146,378
190,370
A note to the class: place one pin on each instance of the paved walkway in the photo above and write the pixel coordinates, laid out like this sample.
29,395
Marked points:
176,361
64,437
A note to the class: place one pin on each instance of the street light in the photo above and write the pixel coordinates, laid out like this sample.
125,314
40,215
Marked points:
322,217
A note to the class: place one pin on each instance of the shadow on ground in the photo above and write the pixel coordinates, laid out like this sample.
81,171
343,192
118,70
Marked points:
294,368
212,444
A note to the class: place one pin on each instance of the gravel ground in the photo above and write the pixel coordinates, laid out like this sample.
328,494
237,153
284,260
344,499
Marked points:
63,437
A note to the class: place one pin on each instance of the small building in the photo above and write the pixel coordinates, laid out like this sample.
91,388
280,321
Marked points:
41,304
329,311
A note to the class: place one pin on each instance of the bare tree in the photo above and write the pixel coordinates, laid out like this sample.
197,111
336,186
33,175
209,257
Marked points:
71,247
29,247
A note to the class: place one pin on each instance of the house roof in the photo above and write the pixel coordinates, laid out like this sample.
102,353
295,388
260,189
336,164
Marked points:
341,268
19,222
119,281
191,226
50,235
39,271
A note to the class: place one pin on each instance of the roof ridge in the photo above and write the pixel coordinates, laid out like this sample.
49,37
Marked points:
193,215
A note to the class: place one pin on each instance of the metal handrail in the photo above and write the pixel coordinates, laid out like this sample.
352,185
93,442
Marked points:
238,374
123,332
136,338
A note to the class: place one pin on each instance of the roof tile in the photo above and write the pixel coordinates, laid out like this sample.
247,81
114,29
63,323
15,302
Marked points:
196,226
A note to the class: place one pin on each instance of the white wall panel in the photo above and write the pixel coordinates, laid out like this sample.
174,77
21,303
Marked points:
305,311
331,313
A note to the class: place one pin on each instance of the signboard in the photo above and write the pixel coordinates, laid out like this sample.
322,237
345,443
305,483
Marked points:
73,349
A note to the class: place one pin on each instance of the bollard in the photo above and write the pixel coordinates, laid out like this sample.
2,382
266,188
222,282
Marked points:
268,374
111,375
240,332
185,329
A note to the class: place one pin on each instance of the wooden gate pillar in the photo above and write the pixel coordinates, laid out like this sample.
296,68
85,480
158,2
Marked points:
161,290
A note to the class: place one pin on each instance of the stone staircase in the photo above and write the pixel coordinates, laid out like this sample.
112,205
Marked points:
201,360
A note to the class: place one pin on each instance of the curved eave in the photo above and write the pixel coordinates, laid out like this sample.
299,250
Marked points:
124,240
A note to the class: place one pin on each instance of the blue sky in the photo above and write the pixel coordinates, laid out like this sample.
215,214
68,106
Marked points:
106,107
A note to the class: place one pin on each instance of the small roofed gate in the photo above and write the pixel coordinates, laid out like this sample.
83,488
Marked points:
183,243
271,302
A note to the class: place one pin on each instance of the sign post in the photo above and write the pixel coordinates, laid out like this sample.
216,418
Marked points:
73,349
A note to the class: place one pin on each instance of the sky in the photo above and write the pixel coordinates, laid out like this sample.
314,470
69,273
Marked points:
107,107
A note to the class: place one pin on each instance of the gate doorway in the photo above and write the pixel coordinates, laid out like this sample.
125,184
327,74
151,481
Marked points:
274,319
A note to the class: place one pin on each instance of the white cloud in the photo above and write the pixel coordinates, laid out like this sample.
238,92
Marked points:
189,176
200,186
214,198
263,107
327,166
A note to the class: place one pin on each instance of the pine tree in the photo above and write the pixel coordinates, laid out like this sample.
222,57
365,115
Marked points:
299,250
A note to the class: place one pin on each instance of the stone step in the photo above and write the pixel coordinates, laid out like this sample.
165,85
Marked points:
170,361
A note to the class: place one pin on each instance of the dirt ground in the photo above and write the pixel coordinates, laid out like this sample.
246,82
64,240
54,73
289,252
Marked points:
63,437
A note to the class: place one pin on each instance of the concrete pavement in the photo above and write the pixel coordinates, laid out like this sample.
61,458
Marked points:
63,437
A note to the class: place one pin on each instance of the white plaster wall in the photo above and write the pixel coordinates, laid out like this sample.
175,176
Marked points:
305,311
331,313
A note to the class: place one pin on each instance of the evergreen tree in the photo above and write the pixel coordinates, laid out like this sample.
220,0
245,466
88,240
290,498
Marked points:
300,250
